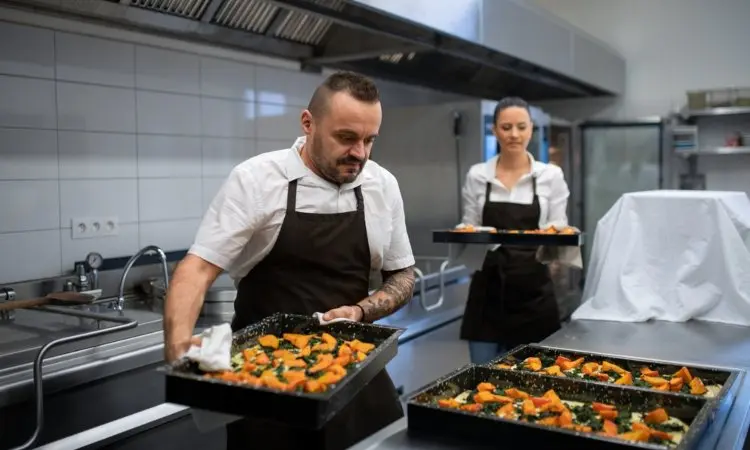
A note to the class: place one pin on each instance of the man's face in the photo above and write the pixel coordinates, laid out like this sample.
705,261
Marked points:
339,142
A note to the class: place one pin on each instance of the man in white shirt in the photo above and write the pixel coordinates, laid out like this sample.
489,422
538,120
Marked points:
300,230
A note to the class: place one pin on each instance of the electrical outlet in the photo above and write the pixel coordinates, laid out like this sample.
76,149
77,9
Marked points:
92,227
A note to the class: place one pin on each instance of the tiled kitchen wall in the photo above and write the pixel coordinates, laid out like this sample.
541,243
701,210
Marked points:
91,127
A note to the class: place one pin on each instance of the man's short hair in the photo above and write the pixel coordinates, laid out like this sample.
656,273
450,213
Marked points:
358,86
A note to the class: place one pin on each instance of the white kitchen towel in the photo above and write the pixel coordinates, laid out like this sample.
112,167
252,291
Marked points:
215,351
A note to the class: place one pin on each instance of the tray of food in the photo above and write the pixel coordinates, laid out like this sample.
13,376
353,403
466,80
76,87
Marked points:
470,234
690,380
481,403
288,368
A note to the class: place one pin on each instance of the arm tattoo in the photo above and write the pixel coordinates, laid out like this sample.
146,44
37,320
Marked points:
397,290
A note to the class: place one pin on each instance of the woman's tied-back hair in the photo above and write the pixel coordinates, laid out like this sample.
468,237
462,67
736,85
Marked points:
358,86
510,102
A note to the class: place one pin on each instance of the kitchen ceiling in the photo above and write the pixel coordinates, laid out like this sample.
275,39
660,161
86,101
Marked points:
336,34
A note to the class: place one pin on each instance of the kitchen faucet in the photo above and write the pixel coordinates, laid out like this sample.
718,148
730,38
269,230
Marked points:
145,250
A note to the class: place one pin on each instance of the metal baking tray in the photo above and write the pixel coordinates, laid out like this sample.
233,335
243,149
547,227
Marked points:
186,385
501,237
726,377
430,421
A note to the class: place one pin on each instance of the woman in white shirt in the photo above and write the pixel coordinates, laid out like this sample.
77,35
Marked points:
511,299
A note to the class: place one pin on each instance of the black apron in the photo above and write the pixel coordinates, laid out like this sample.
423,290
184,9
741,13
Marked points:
319,262
512,298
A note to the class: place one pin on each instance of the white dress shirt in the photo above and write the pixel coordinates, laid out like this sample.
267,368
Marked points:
244,219
551,189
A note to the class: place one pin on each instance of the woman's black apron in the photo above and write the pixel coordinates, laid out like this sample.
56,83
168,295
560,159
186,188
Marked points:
512,298
319,262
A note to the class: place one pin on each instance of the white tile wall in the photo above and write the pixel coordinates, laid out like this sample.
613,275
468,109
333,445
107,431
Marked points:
94,127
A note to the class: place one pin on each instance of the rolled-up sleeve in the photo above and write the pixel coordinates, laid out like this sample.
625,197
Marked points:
398,253
472,214
229,222
558,200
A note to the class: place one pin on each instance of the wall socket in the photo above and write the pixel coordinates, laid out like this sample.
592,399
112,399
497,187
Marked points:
92,227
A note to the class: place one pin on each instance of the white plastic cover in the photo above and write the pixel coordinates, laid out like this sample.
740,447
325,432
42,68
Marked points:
673,256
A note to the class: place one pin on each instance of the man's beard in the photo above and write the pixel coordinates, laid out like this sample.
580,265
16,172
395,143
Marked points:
331,171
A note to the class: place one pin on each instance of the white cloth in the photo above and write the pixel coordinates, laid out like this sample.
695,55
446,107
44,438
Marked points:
215,352
244,219
673,256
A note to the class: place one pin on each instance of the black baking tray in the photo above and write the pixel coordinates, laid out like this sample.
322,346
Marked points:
726,377
186,385
427,420
525,239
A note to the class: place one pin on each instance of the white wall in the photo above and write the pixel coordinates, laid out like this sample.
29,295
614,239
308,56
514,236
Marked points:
670,47
112,123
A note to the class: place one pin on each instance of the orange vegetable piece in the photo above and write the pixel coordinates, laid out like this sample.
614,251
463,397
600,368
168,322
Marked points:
554,370
262,359
637,435
655,381
323,362
552,395
486,387
571,364
507,411
649,372
269,340
515,393
296,363
549,421
294,375
561,360
627,378
675,384
314,386
599,407
590,368
684,374
608,414
361,346
609,428
566,418
609,367
473,407
697,387
528,407
658,415
298,340
534,364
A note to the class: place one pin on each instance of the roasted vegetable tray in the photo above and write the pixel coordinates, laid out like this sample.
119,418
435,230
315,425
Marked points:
428,416
187,385
507,238
644,373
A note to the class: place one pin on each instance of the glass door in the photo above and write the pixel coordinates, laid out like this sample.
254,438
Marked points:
616,158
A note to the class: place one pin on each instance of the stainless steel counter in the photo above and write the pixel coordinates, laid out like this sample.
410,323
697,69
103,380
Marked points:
692,342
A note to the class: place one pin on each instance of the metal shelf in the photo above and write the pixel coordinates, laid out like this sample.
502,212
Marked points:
724,111
724,151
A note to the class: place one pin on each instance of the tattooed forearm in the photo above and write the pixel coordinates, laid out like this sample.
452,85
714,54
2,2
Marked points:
397,290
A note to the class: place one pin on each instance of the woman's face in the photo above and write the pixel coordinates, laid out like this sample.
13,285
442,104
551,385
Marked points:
513,129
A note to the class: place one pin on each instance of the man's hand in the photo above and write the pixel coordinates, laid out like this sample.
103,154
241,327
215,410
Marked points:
344,312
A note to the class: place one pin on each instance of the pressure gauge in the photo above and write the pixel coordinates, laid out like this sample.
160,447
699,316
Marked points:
94,260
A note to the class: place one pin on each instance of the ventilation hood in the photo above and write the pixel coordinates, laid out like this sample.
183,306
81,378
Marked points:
342,34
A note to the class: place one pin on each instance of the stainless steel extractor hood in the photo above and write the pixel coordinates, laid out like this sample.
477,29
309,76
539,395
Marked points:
337,34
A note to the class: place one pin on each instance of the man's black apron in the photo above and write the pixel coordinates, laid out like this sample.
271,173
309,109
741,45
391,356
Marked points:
512,298
319,262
